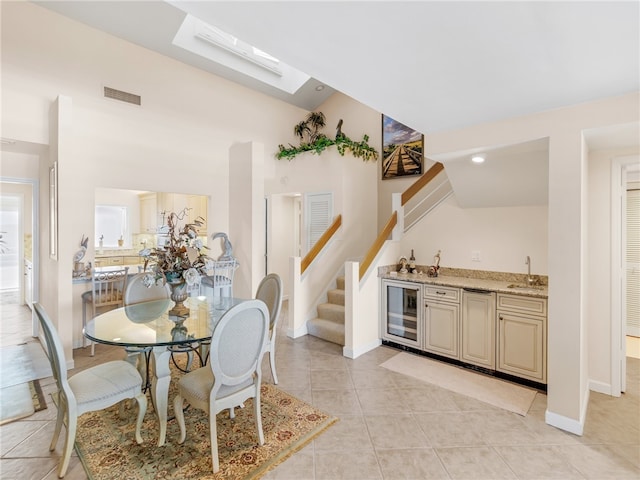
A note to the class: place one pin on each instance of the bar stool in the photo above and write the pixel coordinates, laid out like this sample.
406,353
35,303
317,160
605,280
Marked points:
221,279
107,290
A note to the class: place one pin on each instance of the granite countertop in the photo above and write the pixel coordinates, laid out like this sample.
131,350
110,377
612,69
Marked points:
86,277
473,279
124,252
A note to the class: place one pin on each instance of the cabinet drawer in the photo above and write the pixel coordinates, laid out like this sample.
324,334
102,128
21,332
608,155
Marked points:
518,303
132,260
448,293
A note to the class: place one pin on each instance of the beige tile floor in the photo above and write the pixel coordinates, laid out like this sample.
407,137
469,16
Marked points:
393,427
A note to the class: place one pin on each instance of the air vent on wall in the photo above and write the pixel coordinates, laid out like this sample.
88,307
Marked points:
122,96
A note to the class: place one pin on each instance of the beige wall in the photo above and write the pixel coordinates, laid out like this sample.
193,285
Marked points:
178,140
504,236
568,241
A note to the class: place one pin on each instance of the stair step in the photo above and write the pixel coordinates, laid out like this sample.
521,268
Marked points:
331,311
340,283
336,296
327,330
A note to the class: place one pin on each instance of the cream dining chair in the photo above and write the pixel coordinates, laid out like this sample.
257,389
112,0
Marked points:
270,292
107,292
234,372
137,292
92,389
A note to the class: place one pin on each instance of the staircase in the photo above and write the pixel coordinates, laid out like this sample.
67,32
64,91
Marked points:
329,324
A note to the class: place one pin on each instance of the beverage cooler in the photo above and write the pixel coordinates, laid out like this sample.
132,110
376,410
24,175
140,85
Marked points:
401,311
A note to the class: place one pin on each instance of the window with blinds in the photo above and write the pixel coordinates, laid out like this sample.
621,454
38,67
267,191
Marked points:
318,215
633,259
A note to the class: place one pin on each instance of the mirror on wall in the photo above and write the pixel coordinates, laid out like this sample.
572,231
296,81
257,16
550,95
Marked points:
132,219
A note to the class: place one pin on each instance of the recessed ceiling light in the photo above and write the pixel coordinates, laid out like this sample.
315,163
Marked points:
477,158
319,88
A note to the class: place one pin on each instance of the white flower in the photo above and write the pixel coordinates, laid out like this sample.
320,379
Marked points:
191,276
198,244
144,252
149,280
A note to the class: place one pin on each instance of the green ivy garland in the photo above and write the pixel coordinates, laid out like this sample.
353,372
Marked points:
318,142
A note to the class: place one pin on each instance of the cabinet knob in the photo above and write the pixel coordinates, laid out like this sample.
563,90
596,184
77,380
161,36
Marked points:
500,317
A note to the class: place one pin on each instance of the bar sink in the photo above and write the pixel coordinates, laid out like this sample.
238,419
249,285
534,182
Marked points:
523,286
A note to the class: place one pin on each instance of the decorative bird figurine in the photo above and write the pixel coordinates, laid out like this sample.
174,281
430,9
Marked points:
228,248
79,255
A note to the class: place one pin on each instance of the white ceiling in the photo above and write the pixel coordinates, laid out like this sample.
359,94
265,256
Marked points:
432,65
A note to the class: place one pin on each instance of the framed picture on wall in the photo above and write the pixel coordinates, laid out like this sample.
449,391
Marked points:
402,150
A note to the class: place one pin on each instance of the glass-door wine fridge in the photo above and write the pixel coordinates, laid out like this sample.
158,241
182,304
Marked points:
401,313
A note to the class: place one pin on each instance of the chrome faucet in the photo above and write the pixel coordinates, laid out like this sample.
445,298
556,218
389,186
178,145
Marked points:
528,263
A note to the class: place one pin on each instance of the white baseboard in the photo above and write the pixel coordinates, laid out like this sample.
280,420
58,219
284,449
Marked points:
355,353
600,387
297,333
569,424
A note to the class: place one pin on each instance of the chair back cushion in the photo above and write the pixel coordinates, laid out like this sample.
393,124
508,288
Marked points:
55,352
270,292
238,343
137,292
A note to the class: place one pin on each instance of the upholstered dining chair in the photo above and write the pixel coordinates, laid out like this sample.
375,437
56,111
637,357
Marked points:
107,292
93,389
270,292
234,373
137,292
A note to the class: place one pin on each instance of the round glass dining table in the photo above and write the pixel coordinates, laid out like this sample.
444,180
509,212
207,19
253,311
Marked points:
148,325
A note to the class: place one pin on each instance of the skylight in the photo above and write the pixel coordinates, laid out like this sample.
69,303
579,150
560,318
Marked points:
223,48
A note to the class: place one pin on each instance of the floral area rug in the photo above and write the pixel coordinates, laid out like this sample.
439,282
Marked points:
106,443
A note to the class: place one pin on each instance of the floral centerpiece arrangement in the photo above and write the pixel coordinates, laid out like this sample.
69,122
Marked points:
179,262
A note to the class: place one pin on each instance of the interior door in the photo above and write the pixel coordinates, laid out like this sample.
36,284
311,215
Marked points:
633,260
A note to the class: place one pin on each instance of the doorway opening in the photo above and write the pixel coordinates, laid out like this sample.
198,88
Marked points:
623,169
11,228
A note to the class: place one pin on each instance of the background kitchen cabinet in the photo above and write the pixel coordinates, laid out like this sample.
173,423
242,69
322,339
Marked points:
522,337
198,208
479,328
441,320
149,220
402,322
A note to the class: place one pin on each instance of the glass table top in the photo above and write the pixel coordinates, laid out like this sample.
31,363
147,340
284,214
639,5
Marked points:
148,324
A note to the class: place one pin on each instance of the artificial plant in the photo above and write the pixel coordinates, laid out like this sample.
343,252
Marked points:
312,140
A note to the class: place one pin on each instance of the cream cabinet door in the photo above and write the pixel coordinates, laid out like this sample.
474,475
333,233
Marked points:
479,329
148,213
522,346
198,208
441,328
